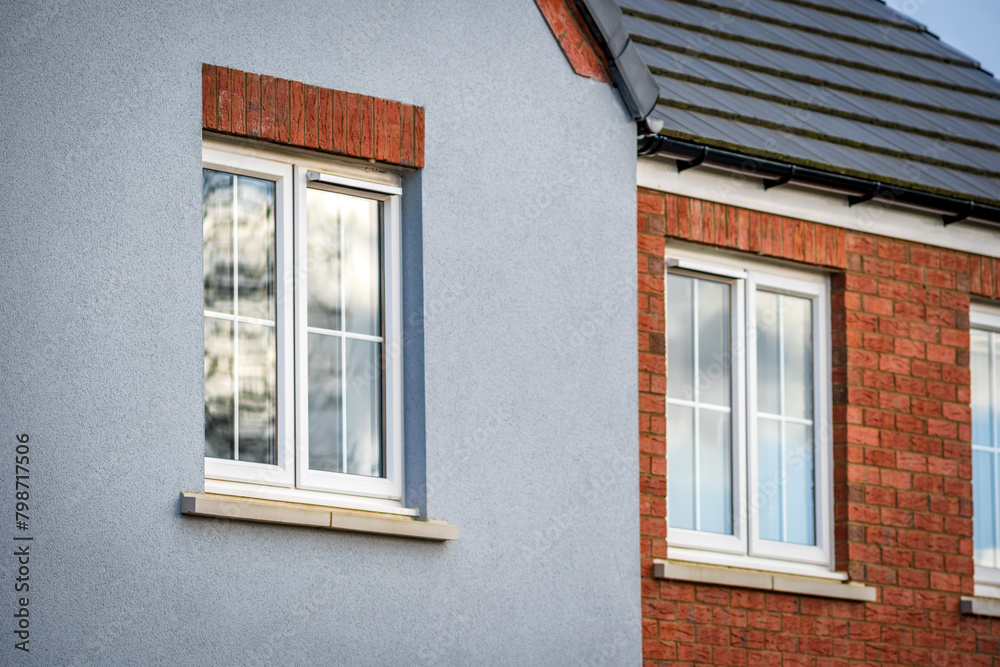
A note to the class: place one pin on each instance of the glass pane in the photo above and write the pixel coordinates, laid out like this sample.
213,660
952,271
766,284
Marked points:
768,365
219,441
980,366
713,342
715,472
800,503
994,403
680,466
217,240
797,338
362,265
325,417
258,358
769,479
255,247
364,407
984,498
680,337
323,258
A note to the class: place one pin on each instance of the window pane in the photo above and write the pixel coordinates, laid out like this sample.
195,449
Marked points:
769,479
768,364
984,489
219,414
680,337
680,466
255,247
796,313
362,265
713,342
217,240
980,365
800,503
323,214
325,416
258,393
364,407
715,472
994,400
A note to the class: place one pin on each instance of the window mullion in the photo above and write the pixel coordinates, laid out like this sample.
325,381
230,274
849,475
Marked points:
748,366
696,420
236,321
343,348
781,428
991,355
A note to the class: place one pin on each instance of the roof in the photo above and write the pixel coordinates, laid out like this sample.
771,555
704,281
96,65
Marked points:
845,86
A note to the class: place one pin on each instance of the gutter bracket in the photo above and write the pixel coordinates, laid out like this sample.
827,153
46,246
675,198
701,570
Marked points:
775,182
684,165
853,200
959,217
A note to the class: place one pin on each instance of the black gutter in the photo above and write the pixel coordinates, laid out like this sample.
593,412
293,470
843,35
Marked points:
689,154
635,83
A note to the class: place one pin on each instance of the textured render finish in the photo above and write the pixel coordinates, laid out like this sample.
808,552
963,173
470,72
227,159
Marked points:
528,273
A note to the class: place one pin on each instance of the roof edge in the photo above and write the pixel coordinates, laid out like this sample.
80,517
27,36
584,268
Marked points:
773,173
635,83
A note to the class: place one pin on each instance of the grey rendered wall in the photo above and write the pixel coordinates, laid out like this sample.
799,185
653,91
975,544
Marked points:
527,205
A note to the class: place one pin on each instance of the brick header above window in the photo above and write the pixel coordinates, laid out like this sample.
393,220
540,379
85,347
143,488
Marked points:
296,114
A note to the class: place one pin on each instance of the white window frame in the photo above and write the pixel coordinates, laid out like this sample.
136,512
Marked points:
744,548
986,317
290,479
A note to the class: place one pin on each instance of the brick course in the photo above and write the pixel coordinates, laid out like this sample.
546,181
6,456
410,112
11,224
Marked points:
902,496
575,39
292,113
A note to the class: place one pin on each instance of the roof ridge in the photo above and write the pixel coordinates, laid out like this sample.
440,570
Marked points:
707,4
824,166
831,111
829,138
815,56
904,25
805,78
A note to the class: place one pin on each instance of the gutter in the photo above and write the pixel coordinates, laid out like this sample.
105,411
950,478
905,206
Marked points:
689,155
634,81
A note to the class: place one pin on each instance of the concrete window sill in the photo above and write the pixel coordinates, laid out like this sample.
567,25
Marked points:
978,606
292,514
768,581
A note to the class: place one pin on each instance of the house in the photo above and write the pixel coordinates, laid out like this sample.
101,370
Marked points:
818,308
399,240
423,323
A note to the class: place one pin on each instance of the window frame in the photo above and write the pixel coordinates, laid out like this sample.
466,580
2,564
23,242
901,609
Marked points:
748,275
290,480
985,317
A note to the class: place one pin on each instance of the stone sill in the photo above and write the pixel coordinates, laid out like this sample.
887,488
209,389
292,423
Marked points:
981,606
314,516
746,578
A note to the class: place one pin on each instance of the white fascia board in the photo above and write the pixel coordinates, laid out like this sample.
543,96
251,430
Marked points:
816,206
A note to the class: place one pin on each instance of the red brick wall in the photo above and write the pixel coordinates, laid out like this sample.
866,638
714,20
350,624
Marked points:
293,113
575,39
902,453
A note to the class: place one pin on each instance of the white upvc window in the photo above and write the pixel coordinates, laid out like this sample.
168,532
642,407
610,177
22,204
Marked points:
303,386
748,410
984,358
